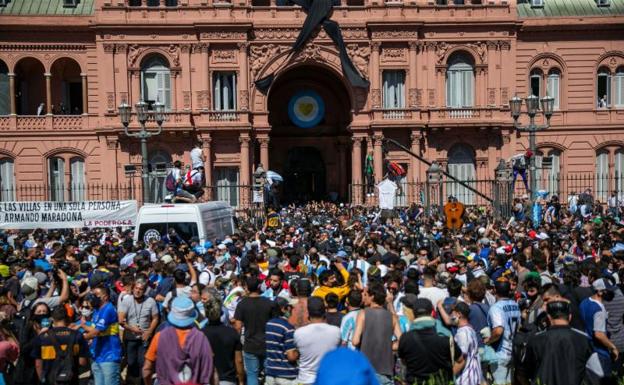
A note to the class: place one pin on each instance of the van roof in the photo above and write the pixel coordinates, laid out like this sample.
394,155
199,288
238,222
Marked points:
186,207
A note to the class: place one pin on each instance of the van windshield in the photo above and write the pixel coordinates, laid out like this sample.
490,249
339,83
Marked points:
158,231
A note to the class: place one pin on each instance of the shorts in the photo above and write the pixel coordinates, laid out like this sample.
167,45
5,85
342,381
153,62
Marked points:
501,372
279,381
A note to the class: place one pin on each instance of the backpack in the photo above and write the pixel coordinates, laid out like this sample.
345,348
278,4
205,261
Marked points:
62,370
170,182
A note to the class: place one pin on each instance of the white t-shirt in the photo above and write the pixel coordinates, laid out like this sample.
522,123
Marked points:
387,192
312,342
196,154
180,291
433,294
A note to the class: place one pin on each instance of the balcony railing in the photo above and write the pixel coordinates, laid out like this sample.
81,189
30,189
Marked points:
42,122
396,114
224,116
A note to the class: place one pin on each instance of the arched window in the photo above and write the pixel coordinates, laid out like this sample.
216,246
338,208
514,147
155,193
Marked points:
156,82
460,81
62,167
552,89
618,87
461,165
5,102
602,175
535,82
7,180
548,165
603,88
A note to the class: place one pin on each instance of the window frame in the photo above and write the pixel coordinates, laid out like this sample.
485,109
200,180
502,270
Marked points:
217,90
554,73
158,67
460,72
7,191
399,92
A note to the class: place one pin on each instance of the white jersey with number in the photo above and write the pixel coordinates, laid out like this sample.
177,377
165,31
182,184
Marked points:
506,314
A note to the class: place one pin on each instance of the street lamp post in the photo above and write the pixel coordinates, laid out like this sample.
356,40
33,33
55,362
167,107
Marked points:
532,105
143,115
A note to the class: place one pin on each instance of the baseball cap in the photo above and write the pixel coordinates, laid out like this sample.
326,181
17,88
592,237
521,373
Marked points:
602,284
166,259
29,288
286,301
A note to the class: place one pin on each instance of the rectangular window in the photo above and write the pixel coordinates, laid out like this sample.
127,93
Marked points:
7,180
224,91
553,88
227,185
70,3
603,3
135,3
468,88
393,89
57,179
537,3
3,3
78,186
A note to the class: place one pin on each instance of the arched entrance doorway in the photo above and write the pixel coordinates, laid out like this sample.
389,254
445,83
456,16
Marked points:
309,112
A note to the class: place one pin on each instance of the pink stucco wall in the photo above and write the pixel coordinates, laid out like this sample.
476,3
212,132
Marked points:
201,36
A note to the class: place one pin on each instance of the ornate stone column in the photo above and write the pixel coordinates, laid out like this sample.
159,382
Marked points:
415,166
413,50
83,76
243,84
12,92
378,155
244,140
356,170
374,75
48,84
264,151
207,147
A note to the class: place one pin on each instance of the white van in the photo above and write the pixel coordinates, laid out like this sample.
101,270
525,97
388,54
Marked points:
209,221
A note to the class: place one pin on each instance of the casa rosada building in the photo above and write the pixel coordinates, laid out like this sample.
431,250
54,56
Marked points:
441,75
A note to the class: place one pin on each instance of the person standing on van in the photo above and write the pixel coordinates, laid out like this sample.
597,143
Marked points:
197,156
174,184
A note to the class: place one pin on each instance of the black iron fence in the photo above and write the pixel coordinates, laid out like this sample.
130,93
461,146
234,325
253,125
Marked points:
488,192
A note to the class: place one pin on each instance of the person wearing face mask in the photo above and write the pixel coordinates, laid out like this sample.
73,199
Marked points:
106,345
595,316
467,341
138,315
281,367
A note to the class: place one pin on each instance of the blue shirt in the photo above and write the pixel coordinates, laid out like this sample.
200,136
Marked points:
279,339
106,346
594,317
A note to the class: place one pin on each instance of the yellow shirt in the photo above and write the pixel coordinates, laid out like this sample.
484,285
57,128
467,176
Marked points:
340,291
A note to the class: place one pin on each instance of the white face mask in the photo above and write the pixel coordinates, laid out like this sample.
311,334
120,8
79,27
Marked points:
86,312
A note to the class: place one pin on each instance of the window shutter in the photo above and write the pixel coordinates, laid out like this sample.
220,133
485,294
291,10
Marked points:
468,88
554,174
233,93
400,89
619,89
619,170
217,92
602,173
167,90
57,179
7,180
553,88
77,179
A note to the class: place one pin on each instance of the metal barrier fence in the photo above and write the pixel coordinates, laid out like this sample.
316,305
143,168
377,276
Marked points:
241,196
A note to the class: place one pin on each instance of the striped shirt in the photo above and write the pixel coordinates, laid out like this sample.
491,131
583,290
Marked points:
279,339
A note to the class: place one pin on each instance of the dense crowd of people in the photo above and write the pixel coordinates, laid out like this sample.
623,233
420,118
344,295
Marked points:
323,294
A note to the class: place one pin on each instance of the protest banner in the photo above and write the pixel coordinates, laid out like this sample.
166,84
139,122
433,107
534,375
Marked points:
67,215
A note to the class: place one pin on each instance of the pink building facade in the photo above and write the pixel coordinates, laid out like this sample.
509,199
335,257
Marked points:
441,75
